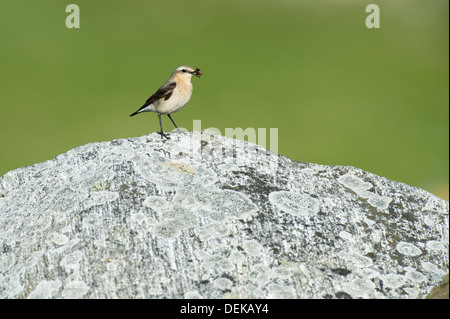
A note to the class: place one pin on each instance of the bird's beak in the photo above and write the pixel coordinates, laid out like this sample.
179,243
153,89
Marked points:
198,72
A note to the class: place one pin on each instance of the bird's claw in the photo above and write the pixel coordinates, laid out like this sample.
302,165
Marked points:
163,135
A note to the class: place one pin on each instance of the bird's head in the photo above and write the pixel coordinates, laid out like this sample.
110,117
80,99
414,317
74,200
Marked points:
187,71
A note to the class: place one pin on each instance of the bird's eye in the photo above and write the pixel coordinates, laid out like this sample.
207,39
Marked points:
184,70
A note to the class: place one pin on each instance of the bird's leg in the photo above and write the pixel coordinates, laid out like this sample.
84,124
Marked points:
177,129
172,120
160,125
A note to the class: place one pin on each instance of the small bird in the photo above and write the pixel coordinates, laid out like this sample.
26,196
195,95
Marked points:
172,96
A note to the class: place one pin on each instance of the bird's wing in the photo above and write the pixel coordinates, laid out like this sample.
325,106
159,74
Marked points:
164,92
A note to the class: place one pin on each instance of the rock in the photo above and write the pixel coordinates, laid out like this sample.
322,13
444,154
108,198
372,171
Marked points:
441,291
203,216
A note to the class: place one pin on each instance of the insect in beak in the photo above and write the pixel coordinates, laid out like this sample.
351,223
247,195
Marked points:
198,72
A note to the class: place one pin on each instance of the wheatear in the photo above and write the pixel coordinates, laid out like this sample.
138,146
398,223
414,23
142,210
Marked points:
172,96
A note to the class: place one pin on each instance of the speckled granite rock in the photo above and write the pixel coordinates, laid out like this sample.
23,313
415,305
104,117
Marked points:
208,216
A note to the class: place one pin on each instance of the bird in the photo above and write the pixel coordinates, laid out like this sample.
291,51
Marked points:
172,96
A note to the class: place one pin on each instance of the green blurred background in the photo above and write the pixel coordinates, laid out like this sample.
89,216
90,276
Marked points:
338,92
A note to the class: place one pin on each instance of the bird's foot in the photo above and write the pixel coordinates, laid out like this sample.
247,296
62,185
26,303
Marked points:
163,135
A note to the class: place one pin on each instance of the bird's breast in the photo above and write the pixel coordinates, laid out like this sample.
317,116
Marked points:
180,96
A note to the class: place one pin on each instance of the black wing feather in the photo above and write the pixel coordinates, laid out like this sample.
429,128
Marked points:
164,92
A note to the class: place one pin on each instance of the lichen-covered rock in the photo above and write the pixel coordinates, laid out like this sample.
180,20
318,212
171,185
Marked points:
203,216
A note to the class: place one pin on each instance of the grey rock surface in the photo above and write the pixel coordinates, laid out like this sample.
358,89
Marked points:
203,216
